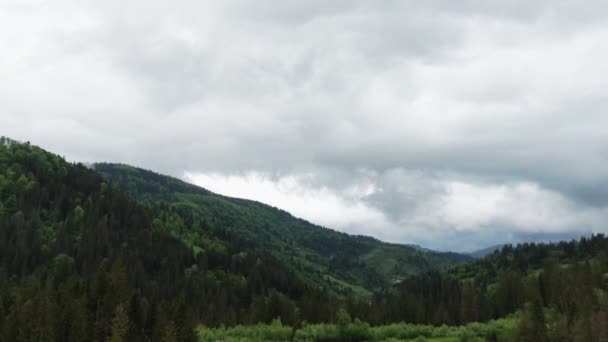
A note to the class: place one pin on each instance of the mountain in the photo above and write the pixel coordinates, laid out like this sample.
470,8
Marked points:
485,251
81,260
342,263
514,279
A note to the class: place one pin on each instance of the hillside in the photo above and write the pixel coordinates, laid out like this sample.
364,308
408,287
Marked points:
337,261
80,260
83,260
480,253
563,286
529,292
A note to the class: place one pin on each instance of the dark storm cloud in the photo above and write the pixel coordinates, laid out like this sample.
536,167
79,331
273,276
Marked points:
422,120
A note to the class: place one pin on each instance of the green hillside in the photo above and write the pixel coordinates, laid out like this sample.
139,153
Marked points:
80,260
529,292
83,260
334,260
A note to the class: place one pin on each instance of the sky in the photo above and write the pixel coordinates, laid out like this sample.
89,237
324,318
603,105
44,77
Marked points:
455,125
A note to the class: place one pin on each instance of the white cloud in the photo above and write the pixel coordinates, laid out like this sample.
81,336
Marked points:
498,106
453,206
522,206
293,193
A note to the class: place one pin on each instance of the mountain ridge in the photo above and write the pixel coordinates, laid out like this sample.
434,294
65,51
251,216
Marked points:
345,262
480,253
81,259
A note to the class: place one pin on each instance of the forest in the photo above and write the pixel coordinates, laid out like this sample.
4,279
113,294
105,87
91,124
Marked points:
343,264
114,253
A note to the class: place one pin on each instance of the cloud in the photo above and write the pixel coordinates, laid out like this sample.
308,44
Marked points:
433,104
293,193
442,211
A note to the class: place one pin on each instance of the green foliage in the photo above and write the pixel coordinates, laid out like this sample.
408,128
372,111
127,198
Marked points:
343,318
501,283
317,332
336,261
79,215
533,326
120,325
81,260
359,331
274,331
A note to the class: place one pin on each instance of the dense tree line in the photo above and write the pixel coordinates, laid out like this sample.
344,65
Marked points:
566,282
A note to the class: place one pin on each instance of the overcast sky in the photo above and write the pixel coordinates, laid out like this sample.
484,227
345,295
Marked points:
452,124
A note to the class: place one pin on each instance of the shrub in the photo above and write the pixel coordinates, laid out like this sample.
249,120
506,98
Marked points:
317,332
275,331
356,331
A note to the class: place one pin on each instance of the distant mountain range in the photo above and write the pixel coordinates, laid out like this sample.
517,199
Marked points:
478,254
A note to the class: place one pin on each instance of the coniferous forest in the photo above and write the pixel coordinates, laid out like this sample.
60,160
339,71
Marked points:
113,253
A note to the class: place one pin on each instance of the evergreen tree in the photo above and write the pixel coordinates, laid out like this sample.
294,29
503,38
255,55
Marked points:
468,304
168,333
343,320
532,326
120,325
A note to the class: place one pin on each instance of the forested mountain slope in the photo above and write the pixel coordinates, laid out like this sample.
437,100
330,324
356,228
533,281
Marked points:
562,289
529,292
337,261
480,253
82,261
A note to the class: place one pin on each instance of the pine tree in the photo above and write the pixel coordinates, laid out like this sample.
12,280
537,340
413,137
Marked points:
343,320
532,326
2,319
120,325
599,326
119,283
78,327
168,333
467,306
48,312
